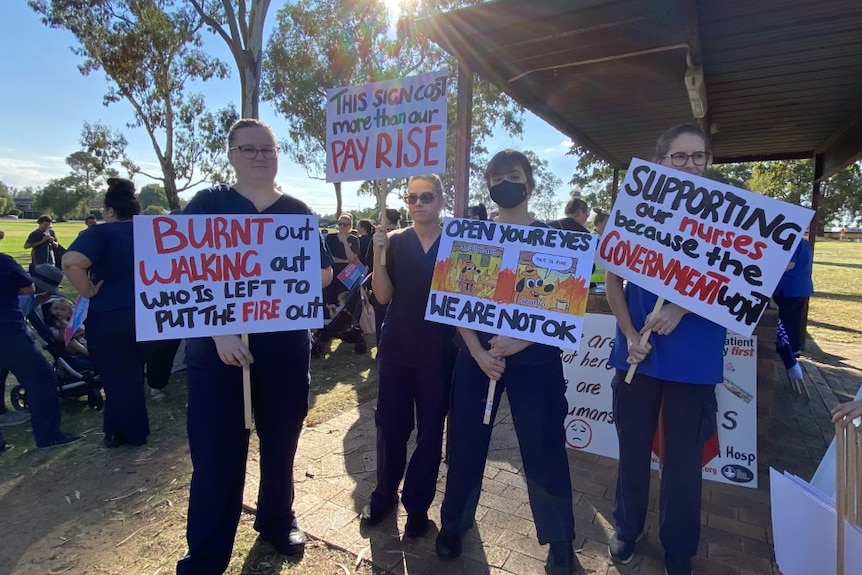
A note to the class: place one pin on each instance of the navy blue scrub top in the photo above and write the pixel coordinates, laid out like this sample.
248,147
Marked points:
111,248
12,278
408,339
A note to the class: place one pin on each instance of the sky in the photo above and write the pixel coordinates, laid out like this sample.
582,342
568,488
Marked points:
45,102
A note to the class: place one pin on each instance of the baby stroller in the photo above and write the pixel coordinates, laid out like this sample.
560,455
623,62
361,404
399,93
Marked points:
76,375
343,320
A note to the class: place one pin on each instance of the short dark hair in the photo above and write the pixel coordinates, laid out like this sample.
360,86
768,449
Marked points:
506,160
43,219
576,205
479,210
120,197
393,216
90,217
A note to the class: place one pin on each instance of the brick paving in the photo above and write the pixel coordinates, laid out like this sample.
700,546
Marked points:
335,471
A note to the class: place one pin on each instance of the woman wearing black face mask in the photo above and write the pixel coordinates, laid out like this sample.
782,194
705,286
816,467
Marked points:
532,374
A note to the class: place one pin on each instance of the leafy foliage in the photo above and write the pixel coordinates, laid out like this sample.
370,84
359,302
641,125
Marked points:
62,197
149,49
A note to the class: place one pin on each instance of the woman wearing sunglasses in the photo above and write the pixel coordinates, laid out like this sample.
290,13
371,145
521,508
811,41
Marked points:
414,369
532,375
676,376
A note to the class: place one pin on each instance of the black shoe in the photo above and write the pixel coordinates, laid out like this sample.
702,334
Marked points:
417,525
360,347
448,545
622,551
293,546
64,439
561,558
116,440
372,516
677,565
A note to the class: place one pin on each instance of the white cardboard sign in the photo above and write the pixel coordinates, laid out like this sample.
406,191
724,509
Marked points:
206,275
715,250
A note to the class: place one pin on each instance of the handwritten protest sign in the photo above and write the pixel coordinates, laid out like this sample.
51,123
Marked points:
526,282
590,421
351,274
208,275
713,249
386,129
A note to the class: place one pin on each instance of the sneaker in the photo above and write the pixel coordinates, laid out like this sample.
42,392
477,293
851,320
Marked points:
677,565
64,439
417,525
372,516
448,545
6,447
621,551
10,418
293,546
561,558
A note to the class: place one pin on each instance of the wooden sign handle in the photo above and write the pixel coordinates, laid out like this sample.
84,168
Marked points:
489,403
246,388
644,338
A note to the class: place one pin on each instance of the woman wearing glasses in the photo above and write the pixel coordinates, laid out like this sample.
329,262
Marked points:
532,375
413,361
676,376
279,363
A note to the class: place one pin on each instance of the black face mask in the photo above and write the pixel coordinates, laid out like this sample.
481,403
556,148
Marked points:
508,194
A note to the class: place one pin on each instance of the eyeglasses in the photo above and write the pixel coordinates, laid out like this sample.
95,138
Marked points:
680,159
251,152
424,197
343,225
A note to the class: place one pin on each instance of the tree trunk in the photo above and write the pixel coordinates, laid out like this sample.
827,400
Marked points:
382,189
338,204
170,185
250,85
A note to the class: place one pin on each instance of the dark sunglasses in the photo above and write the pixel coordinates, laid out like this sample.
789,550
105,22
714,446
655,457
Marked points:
424,197
343,225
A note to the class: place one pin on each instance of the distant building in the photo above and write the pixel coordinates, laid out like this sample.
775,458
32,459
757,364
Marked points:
26,207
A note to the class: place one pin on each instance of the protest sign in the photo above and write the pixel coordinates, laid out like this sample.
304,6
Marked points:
526,282
351,274
589,423
79,315
387,129
206,275
715,250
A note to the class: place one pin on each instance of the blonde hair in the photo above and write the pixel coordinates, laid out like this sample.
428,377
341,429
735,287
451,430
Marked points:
248,123
63,303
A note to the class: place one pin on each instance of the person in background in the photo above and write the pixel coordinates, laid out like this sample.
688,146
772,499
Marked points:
599,221
477,212
410,382
100,264
41,243
366,231
532,376
677,370
576,212
279,365
90,221
19,355
8,418
792,293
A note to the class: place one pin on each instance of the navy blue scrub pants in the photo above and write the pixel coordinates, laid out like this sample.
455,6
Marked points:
537,398
18,353
689,421
218,442
114,350
402,391
790,310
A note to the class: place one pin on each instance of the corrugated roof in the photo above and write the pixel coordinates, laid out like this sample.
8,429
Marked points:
783,77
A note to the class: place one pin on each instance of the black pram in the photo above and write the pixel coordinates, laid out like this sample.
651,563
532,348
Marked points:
343,320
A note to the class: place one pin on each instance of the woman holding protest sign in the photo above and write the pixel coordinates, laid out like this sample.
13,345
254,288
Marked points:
532,374
100,263
279,365
414,362
677,370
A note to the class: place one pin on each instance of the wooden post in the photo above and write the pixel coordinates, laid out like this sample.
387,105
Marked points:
246,388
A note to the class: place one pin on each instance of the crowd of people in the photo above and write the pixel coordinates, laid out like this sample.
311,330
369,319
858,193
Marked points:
427,371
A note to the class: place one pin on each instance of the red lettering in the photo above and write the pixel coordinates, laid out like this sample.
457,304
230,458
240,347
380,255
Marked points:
204,267
167,228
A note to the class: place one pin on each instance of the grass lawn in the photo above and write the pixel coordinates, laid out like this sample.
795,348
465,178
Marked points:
835,309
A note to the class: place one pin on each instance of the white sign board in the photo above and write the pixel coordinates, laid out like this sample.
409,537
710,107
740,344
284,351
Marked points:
387,129
526,282
715,250
590,421
206,275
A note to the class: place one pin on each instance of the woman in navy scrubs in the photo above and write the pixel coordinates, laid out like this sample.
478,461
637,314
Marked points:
677,370
532,374
279,362
414,366
100,263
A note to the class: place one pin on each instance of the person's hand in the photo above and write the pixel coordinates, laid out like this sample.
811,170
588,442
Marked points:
637,352
492,366
380,239
232,351
94,289
665,320
504,346
847,412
